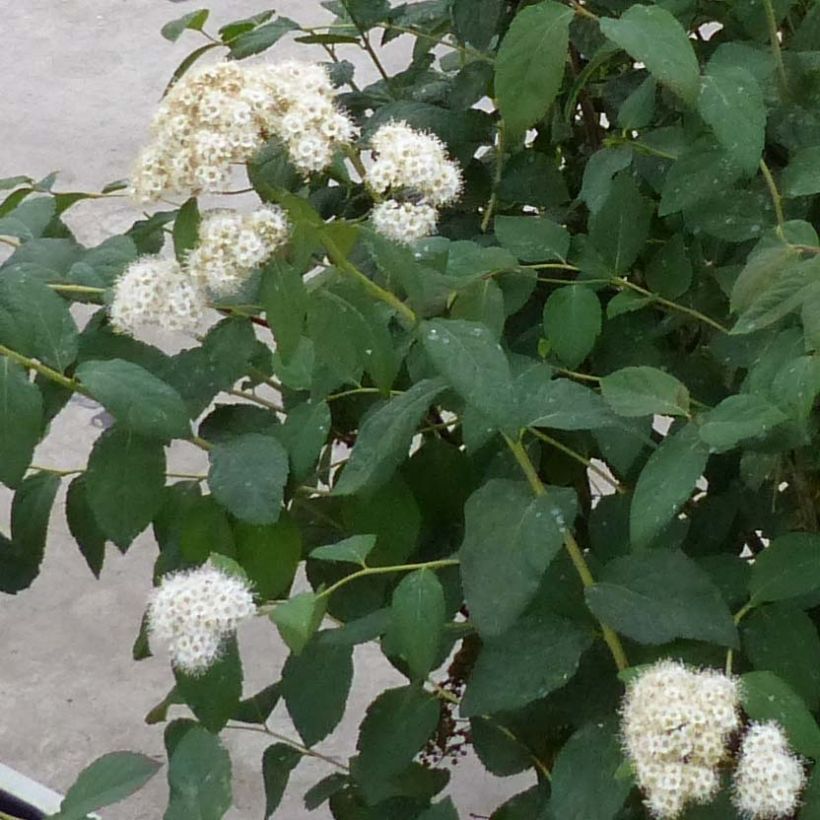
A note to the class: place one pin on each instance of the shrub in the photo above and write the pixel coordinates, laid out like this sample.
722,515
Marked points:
526,336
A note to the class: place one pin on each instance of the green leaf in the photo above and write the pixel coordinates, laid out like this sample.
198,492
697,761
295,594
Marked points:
320,792
199,775
233,29
532,238
599,171
500,754
738,418
619,228
278,761
260,38
802,175
536,655
584,781
194,20
472,361
476,23
651,35
384,438
83,526
353,550
285,301
123,509
397,724
109,779
21,420
304,434
20,557
186,229
766,697
666,483
298,618
731,102
315,686
645,391
445,810
467,261
669,272
214,695
788,567
638,109
572,323
258,708
248,475
658,595
782,639
269,555
35,321
417,618
510,538
137,399
763,266
366,12
530,64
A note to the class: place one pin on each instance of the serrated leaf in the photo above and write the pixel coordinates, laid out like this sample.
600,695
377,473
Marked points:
298,618
665,483
652,35
572,322
658,595
21,419
787,568
645,391
510,538
530,64
384,438
109,779
278,761
353,550
136,398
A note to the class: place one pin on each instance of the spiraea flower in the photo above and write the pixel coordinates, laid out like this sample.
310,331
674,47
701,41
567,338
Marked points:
414,168
156,291
195,611
223,113
676,723
769,777
231,245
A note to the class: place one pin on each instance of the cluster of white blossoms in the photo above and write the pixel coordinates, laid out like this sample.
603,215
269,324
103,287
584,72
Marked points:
162,292
155,291
414,167
768,778
676,723
232,244
222,114
195,611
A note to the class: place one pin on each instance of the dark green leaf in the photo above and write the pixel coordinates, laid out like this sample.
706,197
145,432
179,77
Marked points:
445,810
652,35
666,482
802,175
766,697
510,538
298,618
599,172
278,761
258,708
83,526
123,509
269,554
315,686
538,654
304,434
284,297
501,754
789,567
737,418
669,272
477,23
384,438
572,323
194,20
324,789
645,391
21,419
417,619
186,228
109,779
260,38
353,550
585,785
658,595
137,399
530,64
532,238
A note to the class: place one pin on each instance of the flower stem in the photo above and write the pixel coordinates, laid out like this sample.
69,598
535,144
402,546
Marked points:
363,573
87,289
777,199
47,372
575,552
241,394
289,742
774,39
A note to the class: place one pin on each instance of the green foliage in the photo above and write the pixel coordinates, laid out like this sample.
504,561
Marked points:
459,452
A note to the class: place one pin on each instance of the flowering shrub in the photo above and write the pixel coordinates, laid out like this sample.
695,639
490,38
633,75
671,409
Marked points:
510,366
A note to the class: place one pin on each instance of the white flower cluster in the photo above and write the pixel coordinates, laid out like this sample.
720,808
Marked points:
676,722
155,291
768,778
416,164
223,113
232,244
194,611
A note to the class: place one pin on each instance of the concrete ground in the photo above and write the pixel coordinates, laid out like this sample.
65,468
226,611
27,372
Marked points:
80,81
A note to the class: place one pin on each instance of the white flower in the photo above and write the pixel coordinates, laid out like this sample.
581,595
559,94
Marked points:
675,725
155,291
231,245
194,611
404,222
769,777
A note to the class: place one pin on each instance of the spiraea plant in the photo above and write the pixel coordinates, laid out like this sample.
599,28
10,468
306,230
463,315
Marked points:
506,362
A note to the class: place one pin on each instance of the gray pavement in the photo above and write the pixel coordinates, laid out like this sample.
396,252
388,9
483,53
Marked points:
80,82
